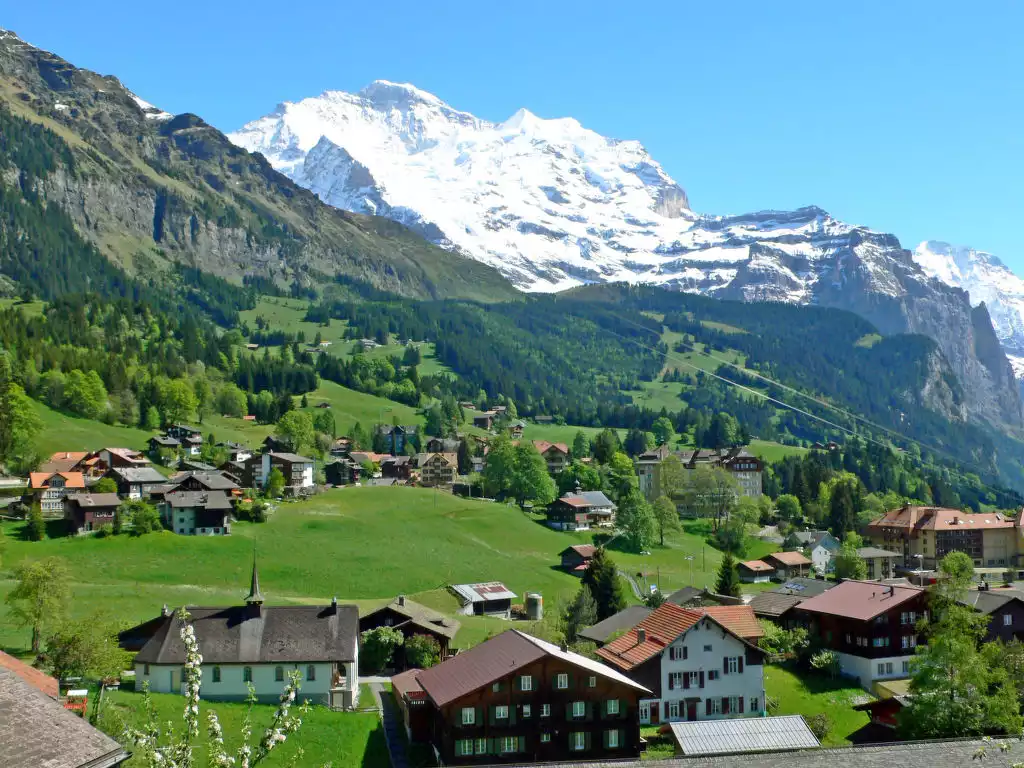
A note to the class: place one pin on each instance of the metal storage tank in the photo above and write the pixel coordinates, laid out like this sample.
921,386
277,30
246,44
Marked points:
534,606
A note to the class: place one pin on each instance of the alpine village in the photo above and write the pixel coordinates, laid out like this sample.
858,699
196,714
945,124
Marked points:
292,481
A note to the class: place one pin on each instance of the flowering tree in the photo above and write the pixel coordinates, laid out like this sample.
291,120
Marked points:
158,748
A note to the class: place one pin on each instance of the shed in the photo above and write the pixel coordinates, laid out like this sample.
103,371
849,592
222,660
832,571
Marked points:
490,598
743,736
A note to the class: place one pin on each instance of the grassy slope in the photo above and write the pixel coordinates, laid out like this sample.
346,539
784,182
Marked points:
815,694
62,432
345,740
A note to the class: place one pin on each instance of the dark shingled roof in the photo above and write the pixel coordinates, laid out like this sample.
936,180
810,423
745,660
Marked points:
213,481
94,500
139,475
684,595
205,499
420,616
623,620
241,634
37,732
773,604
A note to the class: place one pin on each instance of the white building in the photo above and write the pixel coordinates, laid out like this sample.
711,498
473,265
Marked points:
700,663
259,644
297,470
823,547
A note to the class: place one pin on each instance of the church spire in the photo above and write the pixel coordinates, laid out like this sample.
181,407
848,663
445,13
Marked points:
254,597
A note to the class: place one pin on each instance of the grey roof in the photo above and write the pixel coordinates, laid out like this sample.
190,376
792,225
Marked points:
421,616
813,538
624,619
165,440
214,480
93,500
482,592
987,601
773,604
197,466
596,498
37,732
684,595
292,458
139,475
192,499
871,552
804,587
241,634
745,735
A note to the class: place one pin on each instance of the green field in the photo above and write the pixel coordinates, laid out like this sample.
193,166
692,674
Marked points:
812,694
344,739
62,432
770,451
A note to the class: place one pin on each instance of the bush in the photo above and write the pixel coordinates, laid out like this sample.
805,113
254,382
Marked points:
422,651
104,530
820,725
827,662
36,528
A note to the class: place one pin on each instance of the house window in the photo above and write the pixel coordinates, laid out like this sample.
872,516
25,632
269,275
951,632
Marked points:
707,649
578,741
545,738
906,667
562,680
246,674
1007,620
675,680
755,704
909,641
716,706
673,709
880,642
592,682
888,667
849,638
468,716
613,706
145,669
713,674
388,621
311,672
464,747
908,617
694,679
501,713
677,653
278,674
734,703
881,669
579,709
526,683
545,710
734,665
496,687
481,746
527,710
509,744
216,674
613,739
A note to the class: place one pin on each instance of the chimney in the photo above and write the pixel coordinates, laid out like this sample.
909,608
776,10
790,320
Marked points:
166,611
641,636
892,590
334,604
401,600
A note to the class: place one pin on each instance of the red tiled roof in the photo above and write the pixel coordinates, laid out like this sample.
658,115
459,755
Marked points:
669,621
941,519
789,558
584,550
41,479
861,600
31,675
756,565
543,445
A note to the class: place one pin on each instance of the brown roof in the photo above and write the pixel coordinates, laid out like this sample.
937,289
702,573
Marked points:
861,600
914,519
543,446
583,550
773,604
758,566
667,622
497,657
420,616
63,461
407,684
36,678
95,500
789,558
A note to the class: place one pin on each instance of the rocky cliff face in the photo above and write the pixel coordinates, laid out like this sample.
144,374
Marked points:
151,189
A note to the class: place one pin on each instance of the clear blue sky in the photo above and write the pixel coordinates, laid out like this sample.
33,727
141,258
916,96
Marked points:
905,116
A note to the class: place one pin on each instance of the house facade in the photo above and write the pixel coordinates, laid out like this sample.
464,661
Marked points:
872,627
397,437
517,699
743,466
49,489
822,546
412,619
881,563
581,511
438,469
297,470
698,663
256,644
87,512
136,482
1005,611
556,455
490,598
577,557
196,513
788,565
755,571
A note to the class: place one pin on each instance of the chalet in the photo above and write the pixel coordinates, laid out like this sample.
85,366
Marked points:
182,431
823,547
397,437
412,619
871,626
437,469
777,603
276,443
885,712
556,455
442,445
577,557
1005,609
121,458
194,465
881,563
159,443
755,571
517,699
788,564
297,470
342,471
483,419
64,461
924,535
608,629
136,482
324,404
38,731
193,480
744,467
687,597
398,467
698,663
257,644
581,511
48,489
487,599
515,429
86,512
196,513
236,451
341,447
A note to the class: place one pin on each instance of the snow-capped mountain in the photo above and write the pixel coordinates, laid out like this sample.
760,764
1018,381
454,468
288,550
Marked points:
987,280
552,205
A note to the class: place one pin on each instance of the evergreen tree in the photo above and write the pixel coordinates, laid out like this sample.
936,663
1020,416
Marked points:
606,445
580,613
580,445
728,582
602,579
500,468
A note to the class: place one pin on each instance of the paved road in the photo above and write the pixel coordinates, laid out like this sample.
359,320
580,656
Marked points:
632,582
391,719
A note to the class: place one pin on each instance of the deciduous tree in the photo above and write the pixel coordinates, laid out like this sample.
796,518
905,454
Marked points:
636,521
40,596
378,647
666,516
850,565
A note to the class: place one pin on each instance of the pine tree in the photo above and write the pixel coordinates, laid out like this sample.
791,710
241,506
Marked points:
602,579
728,578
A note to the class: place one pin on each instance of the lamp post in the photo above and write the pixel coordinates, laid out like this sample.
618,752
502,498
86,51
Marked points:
690,559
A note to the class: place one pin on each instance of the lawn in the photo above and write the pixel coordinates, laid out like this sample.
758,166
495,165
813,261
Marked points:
811,694
770,451
343,739
556,433
62,432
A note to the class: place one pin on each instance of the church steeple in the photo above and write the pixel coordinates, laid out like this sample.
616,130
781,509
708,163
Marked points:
254,597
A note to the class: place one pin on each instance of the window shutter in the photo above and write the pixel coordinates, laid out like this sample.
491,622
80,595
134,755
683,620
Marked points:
666,710
492,715
685,653
590,710
725,705
568,711
741,704
686,680
478,716
671,681
512,714
586,740
492,746
522,743
604,739
707,707
725,665
702,678
739,663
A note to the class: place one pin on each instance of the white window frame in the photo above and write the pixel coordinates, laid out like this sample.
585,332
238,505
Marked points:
464,747
509,744
578,741
734,705
755,704
545,738
734,665
881,669
1007,619
501,712
481,746
561,681
613,739
592,681
526,683
579,709
716,706
613,706
545,710
469,715
694,679
673,709
527,711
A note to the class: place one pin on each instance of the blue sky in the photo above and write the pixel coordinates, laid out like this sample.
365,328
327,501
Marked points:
905,116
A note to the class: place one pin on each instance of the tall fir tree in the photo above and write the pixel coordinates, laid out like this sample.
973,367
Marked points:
728,582
602,579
